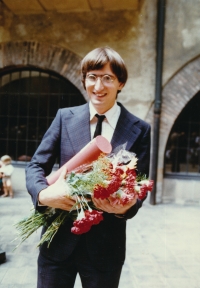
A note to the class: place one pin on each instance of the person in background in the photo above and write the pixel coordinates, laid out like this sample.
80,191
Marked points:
6,171
98,255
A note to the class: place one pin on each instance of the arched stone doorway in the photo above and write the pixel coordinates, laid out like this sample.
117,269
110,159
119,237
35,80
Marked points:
29,100
179,90
45,56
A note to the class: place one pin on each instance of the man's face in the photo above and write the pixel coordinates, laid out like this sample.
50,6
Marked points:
102,94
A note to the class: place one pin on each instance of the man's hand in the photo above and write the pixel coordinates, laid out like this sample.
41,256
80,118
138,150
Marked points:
57,195
106,206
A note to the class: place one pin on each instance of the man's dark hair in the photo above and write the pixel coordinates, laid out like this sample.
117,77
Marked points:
98,58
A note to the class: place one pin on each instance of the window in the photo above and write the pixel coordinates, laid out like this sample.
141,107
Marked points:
182,155
29,100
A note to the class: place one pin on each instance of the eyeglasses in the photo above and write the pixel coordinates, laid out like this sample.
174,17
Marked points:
105,79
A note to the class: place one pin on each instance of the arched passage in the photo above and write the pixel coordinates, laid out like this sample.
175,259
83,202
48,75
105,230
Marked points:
29,100
179,90
19,63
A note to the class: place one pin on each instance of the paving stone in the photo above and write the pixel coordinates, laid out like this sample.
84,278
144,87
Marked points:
163,247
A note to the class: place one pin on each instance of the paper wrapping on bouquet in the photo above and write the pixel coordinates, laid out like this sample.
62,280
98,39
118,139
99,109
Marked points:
88,154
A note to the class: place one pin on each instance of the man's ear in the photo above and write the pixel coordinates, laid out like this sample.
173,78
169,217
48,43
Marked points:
121,85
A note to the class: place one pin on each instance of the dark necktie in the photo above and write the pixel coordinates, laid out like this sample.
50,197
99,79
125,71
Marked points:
99,125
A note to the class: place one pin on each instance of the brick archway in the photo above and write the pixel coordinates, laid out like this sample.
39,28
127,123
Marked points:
45,56
179,90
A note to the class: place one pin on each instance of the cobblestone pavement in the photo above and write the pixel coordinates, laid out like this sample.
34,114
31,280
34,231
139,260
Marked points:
163,247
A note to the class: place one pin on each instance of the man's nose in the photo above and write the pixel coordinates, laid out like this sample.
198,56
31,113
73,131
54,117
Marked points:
98,85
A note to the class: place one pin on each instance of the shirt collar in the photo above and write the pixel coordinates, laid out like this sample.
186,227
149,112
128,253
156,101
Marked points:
112,114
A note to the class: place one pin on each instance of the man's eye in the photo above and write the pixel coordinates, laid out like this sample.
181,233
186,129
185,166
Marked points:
107,78
91,77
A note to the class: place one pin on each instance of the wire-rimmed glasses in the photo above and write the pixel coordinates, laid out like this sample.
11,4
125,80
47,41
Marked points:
105,79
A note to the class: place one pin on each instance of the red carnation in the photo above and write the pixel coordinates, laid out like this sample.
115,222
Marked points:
143,192
150,185
101,192
90,218
94,216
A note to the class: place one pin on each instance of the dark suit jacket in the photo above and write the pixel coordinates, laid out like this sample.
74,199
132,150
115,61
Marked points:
67,135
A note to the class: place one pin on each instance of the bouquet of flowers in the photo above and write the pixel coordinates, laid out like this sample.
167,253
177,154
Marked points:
113,177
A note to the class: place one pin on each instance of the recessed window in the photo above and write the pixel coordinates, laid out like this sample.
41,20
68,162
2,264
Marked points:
29,100
182,155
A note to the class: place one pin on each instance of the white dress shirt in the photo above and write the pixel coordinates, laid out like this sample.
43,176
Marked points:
109,123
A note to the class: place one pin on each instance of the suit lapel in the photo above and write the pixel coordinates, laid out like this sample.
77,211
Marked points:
126,131
78,127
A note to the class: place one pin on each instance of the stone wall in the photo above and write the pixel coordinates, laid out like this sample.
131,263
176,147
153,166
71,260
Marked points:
131,33
182,37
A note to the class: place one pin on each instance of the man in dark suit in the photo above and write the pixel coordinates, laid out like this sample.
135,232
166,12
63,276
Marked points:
99,254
